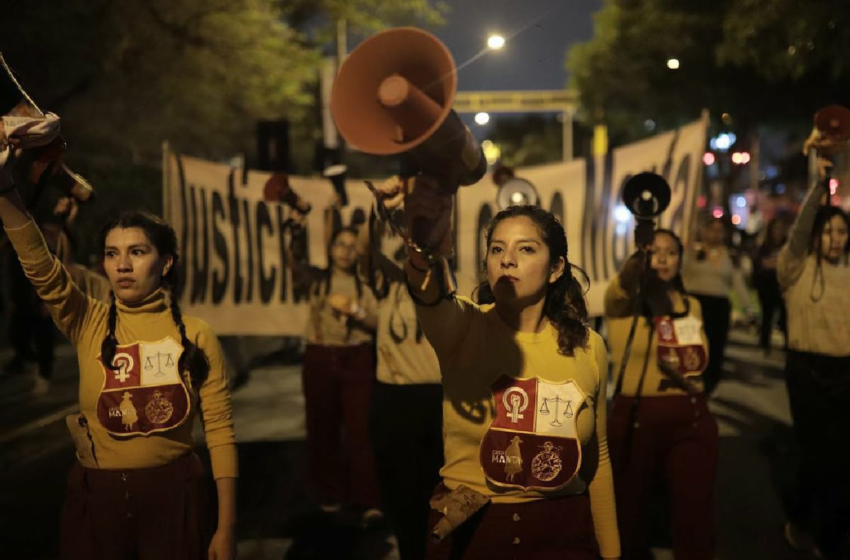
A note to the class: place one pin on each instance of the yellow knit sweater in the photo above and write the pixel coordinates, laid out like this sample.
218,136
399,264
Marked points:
142,330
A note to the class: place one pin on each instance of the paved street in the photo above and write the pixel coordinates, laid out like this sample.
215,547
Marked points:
277,519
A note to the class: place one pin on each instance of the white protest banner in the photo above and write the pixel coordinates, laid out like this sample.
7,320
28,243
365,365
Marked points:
233,244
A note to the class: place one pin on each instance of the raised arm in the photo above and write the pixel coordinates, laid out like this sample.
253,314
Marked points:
445,319
622,290
792,257
373,266
68,305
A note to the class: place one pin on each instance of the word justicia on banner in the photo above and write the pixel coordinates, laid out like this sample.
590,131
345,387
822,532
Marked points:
234,244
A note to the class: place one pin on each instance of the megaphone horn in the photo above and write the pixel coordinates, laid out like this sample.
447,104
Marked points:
646,195
833,121
394,93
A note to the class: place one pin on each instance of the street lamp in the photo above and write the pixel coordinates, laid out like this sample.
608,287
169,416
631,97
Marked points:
673,63
495,42
482,118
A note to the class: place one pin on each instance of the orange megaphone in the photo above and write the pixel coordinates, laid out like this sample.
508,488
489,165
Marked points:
833,121
394,94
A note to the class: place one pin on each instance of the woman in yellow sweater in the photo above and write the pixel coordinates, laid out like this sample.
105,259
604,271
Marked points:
338,375
137,489
523,394
660,422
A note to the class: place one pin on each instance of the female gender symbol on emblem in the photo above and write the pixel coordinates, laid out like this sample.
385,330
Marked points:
515,400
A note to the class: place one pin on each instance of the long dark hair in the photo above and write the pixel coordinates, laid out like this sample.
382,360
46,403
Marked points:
822,218
162,236
564,306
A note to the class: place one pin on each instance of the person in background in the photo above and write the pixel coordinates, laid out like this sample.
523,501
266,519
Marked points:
814,276
408,454
660,425
338,373
711,271
766,282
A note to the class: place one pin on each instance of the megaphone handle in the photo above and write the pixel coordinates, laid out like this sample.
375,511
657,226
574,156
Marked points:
827,175
644,232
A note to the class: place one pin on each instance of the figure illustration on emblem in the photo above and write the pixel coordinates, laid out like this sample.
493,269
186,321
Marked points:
515,400
129,416
671,358
666,330
547,464
568,411
513,459
159,409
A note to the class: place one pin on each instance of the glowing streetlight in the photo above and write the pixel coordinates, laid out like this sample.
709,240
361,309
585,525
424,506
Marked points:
495,42
482,118
673,63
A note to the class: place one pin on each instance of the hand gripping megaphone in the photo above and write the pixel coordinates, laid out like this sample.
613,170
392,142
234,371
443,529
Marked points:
394,95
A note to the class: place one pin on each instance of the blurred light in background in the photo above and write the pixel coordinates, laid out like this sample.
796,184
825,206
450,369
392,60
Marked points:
673,64
722,141
482,118
622,214
741,158
708,158
492,152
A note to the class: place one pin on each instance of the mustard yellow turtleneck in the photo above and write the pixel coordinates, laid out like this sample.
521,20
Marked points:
85,322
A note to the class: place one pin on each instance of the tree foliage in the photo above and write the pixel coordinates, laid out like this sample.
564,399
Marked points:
735,56
125,75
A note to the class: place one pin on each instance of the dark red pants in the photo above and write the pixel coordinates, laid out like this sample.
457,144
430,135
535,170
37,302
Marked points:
676,439
338,384
138,514
556,529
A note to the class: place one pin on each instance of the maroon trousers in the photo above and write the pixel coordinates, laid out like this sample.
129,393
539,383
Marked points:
338,383
676,439
555,529
157,513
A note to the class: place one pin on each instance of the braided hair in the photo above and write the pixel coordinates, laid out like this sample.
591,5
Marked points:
564,305
162,236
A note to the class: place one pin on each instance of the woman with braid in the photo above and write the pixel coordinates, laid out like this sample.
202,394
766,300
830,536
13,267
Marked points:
338,374
660,424
523,393
814,276
146,372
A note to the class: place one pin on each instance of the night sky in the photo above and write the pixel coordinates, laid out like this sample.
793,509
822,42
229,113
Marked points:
538,34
